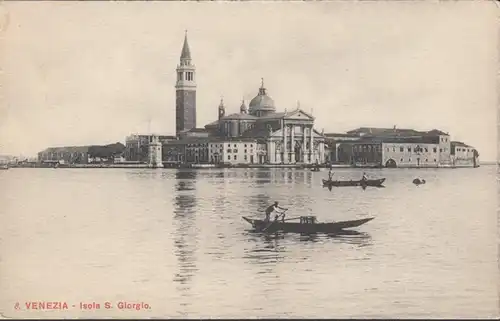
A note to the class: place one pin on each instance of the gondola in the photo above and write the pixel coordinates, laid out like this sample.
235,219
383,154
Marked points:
368,182
306,225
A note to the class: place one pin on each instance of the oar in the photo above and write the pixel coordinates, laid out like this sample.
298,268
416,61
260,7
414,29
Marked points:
292,218
275,220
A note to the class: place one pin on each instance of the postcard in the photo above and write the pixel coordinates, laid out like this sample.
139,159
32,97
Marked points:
246,159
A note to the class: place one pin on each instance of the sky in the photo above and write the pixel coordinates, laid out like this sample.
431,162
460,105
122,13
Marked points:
80,73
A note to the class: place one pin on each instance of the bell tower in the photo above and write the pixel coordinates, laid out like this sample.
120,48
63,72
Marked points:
185,91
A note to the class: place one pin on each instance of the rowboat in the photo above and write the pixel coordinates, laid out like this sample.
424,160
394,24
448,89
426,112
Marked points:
306,225
368,182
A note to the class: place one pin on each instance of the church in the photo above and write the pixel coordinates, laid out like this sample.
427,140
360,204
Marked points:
257,134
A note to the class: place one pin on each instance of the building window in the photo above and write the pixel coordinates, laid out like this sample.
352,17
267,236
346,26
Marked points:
228,150
245,145
245,151
393,149
228,157
245,157
235,150
434,150
426,160
234,145
434,160
401,160
228,145
426,149
440,150
401,149
409,149
409,159
235,157
251,145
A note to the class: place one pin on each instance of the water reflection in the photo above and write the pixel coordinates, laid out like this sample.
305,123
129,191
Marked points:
264,249
346,236
185,234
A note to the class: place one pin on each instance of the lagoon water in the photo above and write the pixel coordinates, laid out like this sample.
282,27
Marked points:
174,239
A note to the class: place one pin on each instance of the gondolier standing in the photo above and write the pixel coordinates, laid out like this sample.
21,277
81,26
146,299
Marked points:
365,178
330,174
273,208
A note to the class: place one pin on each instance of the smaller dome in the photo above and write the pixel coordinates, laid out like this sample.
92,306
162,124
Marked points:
243,107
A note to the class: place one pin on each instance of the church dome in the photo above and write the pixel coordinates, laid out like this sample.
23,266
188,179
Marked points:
261,103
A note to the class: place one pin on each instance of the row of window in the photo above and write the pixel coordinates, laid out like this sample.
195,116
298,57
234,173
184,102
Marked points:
464,150
426,160
417,149
236,151
189,76
215,145
235,157
369,148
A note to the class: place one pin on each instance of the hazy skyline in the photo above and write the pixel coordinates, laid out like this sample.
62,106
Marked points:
77,73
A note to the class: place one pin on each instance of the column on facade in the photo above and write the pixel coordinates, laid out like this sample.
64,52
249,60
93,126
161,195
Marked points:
311,148
304,157
321,152
269,157
292,142
285,152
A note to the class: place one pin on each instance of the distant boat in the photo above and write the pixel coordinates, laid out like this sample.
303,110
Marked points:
368,182
4,167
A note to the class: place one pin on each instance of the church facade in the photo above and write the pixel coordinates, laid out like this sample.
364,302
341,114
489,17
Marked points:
276,137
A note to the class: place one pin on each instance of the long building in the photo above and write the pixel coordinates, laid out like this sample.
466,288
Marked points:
81,154
393,147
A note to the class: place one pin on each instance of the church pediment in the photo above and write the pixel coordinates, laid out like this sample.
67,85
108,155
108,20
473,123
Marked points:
298,114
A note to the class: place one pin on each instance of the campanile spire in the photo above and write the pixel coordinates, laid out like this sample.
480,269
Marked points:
185,87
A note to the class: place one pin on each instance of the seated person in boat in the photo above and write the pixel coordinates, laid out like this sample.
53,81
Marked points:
365,178
273,208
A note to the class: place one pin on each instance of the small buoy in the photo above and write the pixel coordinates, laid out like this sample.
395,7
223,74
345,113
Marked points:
418,181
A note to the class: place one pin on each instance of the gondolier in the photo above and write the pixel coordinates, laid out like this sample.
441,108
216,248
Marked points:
330,174
273,208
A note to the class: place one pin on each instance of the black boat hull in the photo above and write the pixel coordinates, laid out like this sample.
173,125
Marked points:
369,182
295,227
